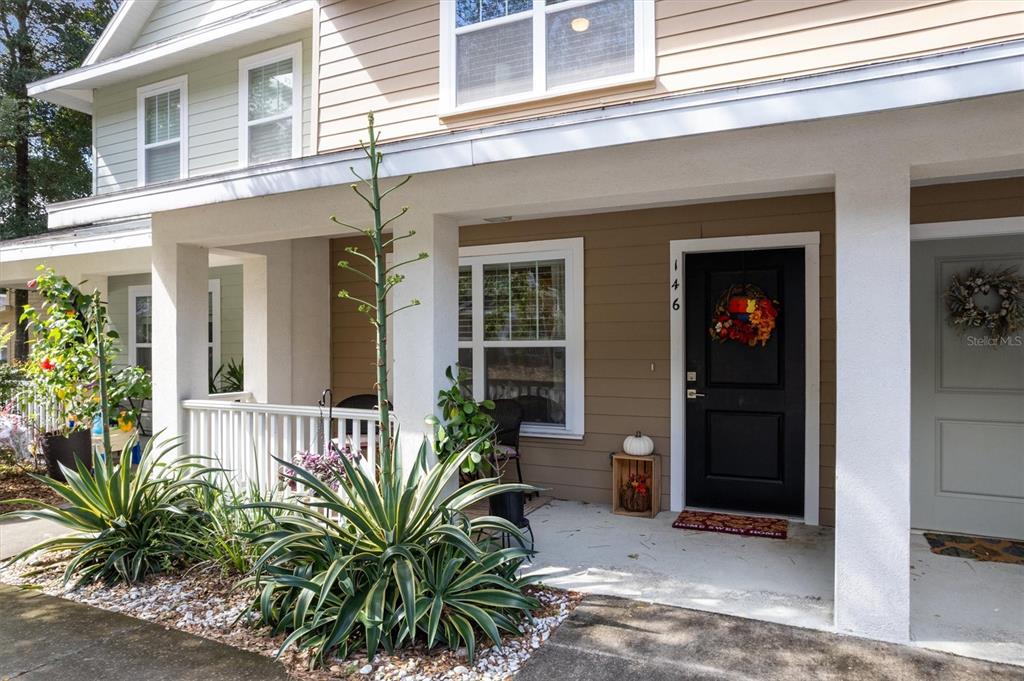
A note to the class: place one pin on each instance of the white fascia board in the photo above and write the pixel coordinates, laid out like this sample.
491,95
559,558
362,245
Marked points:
122,31
150,58
136,234
976,72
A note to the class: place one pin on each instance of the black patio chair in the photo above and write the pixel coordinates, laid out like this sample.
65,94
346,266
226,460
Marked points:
361,401
508,421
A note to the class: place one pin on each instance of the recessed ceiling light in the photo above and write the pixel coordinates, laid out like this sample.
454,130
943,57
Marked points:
501,218
580,24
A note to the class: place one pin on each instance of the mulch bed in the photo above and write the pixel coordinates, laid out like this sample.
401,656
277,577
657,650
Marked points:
206,603
18,485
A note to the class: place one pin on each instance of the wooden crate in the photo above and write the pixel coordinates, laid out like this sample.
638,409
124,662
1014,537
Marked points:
625,465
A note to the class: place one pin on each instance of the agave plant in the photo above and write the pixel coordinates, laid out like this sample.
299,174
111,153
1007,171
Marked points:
125,522
378,562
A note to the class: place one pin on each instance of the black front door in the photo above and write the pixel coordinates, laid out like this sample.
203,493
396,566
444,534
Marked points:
745,381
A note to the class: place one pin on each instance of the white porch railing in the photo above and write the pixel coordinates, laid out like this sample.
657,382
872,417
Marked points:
245,436
42,413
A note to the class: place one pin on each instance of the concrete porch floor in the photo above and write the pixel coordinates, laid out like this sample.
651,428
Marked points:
967,607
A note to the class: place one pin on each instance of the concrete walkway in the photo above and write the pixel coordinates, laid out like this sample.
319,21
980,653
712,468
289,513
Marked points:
17,535
614,639
44,638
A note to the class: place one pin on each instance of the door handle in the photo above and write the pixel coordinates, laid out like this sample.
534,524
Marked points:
692,394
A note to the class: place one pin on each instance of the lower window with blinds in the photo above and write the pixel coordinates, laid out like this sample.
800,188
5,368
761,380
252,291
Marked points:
521,330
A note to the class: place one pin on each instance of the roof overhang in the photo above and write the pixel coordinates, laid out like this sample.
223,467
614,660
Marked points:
102,238
976,72
74,88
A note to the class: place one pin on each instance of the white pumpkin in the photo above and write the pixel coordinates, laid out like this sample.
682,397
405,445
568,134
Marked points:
638,445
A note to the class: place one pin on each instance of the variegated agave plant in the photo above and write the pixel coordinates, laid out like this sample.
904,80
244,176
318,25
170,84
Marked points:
379,563
125,521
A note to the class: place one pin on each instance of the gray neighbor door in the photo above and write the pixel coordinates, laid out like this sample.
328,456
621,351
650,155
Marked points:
967,446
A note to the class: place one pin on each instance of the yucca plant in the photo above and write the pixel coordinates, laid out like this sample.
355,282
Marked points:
377,562
126,522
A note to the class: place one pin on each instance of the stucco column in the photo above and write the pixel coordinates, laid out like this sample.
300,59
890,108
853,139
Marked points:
311,319
267,322
425,337
180,314
872,555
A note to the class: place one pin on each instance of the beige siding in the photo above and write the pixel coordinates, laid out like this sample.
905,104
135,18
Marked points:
627,317
383,55
174,17
212,113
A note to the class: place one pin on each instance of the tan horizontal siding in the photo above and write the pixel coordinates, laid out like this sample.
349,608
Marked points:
383,55
626,318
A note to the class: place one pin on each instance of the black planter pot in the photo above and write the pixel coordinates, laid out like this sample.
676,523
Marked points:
510,506
58,449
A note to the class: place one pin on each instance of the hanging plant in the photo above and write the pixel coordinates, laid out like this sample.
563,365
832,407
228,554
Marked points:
745,314
1001,317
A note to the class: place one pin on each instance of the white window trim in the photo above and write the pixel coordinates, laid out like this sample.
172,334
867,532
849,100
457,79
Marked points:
644,65
571,251
147,290
294,52
170,85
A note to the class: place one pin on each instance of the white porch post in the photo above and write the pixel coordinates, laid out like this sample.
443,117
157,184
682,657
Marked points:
311,319
180,355
267,322
872,554
425,337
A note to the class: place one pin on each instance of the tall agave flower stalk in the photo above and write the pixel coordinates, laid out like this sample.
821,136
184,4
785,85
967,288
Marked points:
384,279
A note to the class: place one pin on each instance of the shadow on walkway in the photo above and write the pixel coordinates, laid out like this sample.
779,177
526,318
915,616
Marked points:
614,639
44,637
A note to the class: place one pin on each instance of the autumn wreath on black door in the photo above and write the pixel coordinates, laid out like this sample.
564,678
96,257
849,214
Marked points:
745,314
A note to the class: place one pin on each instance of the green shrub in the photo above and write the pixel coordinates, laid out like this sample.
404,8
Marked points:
223,537
465,421
379,563
126,522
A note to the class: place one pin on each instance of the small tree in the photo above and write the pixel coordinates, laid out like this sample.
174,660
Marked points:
72,349
383,277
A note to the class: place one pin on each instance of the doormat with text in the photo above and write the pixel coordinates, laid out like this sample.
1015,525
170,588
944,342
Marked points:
746,525
976,548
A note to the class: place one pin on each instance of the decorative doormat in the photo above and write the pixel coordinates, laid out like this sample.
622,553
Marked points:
976,548
750,526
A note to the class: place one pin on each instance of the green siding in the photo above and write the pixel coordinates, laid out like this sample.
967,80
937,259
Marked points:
230,309
212,115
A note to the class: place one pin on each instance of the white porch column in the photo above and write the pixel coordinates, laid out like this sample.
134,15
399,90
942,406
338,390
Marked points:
425,337
267,322
180,355
311,319
872,554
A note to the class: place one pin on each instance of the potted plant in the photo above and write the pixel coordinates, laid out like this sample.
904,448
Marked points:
70,352
465,421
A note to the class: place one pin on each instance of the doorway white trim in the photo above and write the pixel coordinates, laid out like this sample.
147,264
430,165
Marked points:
810,242
958,229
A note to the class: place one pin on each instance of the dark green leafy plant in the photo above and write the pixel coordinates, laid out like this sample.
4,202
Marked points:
229,378
126,522
465,421
382,563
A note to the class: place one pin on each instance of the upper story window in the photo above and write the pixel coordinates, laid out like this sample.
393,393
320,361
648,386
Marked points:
270,105
163,131
497,52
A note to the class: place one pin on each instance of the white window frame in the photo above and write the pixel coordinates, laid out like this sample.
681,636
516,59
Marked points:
179,83
644,67
571,251
135,292
294,52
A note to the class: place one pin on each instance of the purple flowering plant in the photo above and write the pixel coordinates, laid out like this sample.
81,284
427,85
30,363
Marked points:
326,465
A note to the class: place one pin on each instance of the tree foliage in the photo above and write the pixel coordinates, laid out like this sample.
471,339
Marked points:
44,149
